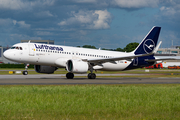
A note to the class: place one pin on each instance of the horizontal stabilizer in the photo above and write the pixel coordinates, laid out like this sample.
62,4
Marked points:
163,59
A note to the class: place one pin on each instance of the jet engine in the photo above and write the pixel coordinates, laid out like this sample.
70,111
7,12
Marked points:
77,66
45,69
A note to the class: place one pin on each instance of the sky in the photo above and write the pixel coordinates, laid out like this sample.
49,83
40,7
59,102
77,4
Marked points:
103,23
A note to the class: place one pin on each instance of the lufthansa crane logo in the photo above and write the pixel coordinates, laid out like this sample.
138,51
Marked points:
148,46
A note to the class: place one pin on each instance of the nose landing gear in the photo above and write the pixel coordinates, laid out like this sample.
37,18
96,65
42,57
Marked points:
25,72
26,67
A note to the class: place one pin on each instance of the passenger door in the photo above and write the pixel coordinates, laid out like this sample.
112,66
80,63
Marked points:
31,49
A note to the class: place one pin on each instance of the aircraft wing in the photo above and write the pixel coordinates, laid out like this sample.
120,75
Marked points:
128,57
103,60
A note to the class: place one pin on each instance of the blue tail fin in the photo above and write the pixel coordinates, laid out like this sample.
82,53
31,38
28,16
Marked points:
149,42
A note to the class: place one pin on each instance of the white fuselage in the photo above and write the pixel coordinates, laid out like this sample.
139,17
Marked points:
54,55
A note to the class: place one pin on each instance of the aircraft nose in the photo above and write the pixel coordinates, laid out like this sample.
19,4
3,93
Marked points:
7,54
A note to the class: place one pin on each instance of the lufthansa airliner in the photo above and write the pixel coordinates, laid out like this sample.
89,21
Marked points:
48,58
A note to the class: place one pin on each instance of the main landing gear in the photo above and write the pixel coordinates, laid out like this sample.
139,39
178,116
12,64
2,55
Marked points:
70,75
90,75
26,67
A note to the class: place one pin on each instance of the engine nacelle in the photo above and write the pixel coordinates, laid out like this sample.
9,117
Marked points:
77,66
45,69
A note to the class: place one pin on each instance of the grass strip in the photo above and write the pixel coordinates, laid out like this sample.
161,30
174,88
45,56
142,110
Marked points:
90,102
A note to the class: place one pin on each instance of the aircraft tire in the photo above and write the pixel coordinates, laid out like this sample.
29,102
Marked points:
91,76
25,72
69,75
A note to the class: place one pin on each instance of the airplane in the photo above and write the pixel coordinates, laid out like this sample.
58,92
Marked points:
48,58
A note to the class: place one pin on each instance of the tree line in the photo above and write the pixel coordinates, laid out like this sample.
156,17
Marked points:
129,47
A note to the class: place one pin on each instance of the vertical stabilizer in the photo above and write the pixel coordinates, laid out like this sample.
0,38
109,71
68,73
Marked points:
149,43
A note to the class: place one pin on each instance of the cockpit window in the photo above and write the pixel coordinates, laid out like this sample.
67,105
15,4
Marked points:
13,47
16,47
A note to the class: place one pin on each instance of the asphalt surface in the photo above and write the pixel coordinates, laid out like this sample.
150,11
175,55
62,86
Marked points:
54,79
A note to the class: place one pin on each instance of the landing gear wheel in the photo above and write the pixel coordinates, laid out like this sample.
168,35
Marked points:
69,75
91,76
25,72
26,67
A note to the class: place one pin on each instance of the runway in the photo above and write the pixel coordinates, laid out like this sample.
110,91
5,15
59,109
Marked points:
55,79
